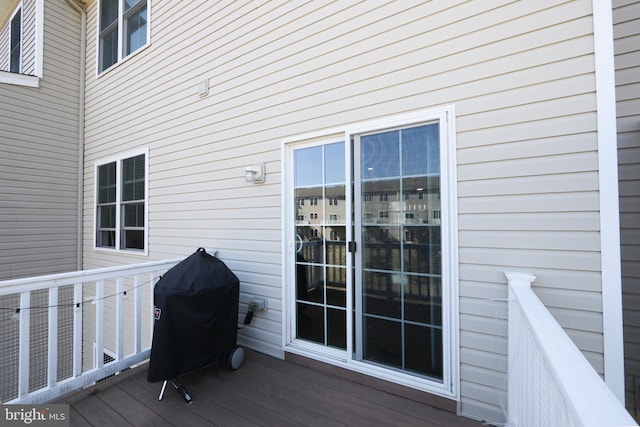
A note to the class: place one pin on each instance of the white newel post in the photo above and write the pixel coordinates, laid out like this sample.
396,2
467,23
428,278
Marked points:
522,280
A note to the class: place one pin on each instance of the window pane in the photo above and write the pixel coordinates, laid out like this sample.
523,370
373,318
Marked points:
310,323
308,167
133,178
309,282
136,30
337,286
108,49
423,300
16,35
380,155
106,239
107,216
337,328
108,13
334,163
383,341
128,4
134,215
423,350
422,249
309,244
336,243
381,248
421,150
382,294
107,183
133,239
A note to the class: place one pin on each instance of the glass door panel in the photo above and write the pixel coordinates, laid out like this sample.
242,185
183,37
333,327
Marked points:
321,247
400,312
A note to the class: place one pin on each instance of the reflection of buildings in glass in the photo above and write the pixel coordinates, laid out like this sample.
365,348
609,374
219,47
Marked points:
324,216
321,216
386,206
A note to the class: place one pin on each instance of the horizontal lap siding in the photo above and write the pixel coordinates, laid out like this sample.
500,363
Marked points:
519,73
5,40
627,50
28,37
39,156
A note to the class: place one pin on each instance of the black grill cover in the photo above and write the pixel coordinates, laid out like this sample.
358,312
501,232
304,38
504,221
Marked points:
196,316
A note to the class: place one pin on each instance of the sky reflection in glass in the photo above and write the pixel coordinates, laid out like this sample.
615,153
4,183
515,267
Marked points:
309,165
416,150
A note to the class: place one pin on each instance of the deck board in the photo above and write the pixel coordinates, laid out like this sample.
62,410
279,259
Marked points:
264,392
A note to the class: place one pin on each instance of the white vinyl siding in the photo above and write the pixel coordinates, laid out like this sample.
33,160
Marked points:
39,158
626,19
29,37
520,75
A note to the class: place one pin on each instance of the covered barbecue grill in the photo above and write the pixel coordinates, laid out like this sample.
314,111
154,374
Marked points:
196,318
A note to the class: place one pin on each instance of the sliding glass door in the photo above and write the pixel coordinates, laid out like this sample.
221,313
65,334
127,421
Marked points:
366,265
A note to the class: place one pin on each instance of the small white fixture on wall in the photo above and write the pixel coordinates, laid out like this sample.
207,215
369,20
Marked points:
203,88
254,173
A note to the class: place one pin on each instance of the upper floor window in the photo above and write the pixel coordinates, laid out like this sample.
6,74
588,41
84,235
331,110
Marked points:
121,203
123,29
16,41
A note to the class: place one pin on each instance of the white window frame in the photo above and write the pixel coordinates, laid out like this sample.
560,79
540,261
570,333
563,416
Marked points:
121,55
450,387
119,226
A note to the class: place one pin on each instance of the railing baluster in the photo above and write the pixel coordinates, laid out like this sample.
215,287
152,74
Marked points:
24,337
52,356
119,318
137,314
99,302
77,330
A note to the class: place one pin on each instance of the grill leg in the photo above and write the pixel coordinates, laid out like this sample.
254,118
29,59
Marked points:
164,385
182,391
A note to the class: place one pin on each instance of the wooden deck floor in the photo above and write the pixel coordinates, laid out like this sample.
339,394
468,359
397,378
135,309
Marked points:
264,392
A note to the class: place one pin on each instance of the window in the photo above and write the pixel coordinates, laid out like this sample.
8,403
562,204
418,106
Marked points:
121,203
123,29
16,41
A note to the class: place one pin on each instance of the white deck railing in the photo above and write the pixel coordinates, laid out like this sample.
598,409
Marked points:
550,382
120,282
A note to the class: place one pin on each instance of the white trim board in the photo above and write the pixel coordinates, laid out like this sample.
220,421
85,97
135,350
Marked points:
609,200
